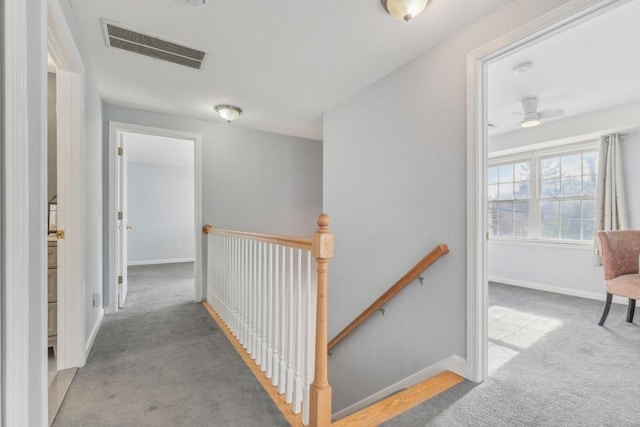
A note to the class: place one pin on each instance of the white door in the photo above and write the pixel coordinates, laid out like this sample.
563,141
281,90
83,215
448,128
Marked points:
121,247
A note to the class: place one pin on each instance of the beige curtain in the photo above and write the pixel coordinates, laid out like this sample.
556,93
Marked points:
611,207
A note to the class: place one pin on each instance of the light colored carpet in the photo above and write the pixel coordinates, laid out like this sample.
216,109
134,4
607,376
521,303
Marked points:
162,361
552,365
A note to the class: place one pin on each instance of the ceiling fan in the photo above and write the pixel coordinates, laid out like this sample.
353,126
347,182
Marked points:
533,117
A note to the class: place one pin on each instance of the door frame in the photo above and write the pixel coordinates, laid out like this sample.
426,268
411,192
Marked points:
569,14
116,128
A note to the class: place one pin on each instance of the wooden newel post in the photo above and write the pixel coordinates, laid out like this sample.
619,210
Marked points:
206,229
320,393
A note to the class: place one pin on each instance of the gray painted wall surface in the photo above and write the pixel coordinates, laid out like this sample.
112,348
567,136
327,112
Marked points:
251,180
160,209
394,186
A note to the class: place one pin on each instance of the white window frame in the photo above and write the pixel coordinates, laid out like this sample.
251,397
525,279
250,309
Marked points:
534,157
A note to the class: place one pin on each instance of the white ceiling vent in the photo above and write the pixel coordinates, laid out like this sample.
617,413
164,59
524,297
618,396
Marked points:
124,38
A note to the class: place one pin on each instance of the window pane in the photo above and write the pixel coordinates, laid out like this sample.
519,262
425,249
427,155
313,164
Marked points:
590,163
550,187
505,228
522,171
521,190
571,165
549,210
505,173
571,229
550,229
588,209
505,191
550,168
521,228
589,185
505,211
493,192
571,186
521,210
493,175
587,230
493,228
570,209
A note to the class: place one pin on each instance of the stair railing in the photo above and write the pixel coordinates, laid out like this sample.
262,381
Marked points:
264,290
405,280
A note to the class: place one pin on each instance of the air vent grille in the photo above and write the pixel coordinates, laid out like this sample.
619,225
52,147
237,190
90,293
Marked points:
155,47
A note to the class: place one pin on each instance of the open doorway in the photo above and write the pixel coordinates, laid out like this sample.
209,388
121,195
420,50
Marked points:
535,171
155,199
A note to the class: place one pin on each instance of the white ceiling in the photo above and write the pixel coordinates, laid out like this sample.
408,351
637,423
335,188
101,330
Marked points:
158,150
284,62
589,67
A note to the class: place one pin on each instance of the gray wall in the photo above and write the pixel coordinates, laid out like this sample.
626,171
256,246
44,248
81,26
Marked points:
160,209
394,186
251,180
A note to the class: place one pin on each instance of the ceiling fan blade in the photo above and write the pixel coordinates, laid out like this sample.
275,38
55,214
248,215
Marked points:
551,112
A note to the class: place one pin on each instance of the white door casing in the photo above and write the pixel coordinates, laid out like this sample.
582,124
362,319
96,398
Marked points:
121,258
559,19
115,131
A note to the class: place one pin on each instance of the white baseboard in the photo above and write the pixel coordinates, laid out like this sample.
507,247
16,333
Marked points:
94,332
160,261
599,296
452,363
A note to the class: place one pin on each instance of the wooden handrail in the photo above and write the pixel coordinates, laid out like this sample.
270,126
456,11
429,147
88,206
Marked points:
289,241
431,257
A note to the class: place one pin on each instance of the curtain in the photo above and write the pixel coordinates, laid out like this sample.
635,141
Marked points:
611,207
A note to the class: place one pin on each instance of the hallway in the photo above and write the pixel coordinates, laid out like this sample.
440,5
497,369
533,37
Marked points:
162,361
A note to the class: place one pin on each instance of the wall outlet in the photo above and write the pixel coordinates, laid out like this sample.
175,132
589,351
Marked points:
97,299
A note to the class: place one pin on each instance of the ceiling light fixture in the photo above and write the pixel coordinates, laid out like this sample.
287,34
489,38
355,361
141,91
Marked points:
530,120
404,9
197,2
522,68
228,112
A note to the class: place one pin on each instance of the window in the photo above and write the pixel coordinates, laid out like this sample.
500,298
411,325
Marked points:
548,196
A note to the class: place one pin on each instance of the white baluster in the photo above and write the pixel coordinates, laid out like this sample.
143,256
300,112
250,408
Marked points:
260,303
309,353
263,366
269,371
290,332
282,381
244,293
254,299
297,397
277,318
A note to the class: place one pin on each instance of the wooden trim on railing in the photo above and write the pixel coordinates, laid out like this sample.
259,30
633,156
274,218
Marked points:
289,241
412,274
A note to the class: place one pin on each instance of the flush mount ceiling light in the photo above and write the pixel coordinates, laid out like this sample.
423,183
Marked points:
404,9
228,112
197,2
522,68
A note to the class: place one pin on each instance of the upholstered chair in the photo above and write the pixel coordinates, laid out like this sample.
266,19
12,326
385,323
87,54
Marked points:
620,252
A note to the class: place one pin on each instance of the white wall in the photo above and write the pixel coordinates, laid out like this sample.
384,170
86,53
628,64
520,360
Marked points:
251,180
559,267
394,186
161,211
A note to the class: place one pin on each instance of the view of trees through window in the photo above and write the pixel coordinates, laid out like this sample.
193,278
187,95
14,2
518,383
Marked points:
544,197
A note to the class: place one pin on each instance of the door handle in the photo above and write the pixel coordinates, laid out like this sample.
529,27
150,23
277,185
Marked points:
129,227
59,234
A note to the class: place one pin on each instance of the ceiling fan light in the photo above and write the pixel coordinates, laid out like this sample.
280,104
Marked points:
529,123
404,9
228,112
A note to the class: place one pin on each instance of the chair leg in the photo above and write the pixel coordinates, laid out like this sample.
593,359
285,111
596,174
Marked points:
632,310
607,306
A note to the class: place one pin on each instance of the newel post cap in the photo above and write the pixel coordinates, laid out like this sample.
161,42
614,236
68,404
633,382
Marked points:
206,229
323,239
